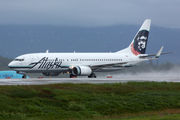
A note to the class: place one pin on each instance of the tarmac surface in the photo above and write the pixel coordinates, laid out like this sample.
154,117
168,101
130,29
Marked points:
42,81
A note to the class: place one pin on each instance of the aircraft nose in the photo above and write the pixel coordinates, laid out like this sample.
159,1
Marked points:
11,64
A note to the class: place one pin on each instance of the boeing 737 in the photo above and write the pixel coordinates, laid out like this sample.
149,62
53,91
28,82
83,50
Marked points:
86,64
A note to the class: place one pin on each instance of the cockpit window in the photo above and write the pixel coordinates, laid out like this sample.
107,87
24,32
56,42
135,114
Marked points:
18,59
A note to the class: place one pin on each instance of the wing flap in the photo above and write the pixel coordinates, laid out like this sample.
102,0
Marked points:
106,65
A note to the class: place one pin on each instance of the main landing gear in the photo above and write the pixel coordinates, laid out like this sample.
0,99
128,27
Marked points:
92,75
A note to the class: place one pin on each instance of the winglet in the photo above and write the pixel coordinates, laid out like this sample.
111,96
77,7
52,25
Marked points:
159,53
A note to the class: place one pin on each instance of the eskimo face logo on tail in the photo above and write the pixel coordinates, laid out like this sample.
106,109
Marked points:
45,64
140,42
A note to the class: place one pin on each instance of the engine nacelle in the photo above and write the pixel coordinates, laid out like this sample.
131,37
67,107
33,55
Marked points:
81,70
52,74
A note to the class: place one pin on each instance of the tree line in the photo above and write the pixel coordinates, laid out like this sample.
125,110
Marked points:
4,63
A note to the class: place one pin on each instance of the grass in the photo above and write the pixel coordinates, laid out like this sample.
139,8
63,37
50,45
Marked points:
129,101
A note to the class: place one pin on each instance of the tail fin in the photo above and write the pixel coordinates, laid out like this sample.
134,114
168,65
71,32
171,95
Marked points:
139,43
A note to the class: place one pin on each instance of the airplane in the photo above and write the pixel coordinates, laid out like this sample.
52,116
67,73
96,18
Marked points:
86,64
11,74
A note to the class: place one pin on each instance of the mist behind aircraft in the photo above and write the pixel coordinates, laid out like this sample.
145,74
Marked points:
143,73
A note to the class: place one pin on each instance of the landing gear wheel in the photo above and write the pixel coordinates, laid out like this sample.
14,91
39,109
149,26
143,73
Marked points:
24,77
92,75
72,76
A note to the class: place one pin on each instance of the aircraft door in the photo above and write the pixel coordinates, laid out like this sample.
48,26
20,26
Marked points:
79,61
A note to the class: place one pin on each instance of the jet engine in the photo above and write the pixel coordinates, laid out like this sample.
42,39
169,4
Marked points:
52,74
81,70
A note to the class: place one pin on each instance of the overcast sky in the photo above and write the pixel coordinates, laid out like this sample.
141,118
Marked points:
90,13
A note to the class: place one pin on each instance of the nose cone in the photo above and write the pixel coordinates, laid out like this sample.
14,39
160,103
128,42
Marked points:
11,64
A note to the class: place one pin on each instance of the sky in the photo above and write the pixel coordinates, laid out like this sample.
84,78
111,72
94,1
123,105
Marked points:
90,13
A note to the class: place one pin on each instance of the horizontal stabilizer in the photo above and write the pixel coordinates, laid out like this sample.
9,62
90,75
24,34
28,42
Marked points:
156,55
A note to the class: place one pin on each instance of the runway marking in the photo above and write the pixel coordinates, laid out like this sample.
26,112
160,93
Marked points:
42,81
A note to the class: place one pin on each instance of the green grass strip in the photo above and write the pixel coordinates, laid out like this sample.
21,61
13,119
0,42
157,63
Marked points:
90,101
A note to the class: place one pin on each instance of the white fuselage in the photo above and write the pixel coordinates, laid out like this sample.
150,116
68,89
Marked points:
63,62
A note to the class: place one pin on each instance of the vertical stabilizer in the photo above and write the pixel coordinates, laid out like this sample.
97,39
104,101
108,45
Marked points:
139,43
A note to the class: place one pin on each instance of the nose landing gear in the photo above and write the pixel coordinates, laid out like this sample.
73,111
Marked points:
92,75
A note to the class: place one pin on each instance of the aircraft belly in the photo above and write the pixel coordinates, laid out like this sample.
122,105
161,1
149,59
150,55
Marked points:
43,70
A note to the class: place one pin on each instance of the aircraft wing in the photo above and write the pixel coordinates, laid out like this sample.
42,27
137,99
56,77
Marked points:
106,65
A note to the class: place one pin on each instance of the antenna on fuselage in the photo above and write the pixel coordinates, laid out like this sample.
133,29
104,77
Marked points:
47,51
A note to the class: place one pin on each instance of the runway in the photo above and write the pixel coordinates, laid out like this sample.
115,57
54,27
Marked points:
43,81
